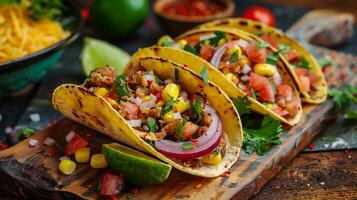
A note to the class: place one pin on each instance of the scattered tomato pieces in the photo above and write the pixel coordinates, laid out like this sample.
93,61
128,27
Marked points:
3,146
311,146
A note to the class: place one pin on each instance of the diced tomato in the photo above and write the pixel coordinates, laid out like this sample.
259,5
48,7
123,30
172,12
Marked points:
301,72
270,40
192,41
132,110
280,111
285,91
313,78
111,184
262,85
256,55
293,106
292,55
76,143
206,52
111,94
305,83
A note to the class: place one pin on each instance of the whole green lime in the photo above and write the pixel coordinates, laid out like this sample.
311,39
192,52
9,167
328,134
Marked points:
117,18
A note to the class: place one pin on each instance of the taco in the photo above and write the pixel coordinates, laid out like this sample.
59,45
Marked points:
162,109
303,66
237,63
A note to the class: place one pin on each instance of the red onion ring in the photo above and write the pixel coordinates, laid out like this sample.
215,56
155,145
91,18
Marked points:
206,142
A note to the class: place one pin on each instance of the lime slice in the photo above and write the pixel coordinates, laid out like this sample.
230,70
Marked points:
97,53
138,168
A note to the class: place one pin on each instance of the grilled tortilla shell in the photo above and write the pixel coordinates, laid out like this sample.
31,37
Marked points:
89,109
255,28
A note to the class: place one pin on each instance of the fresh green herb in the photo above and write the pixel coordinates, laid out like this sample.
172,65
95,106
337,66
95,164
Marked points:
28,132
168,106
283,48
161,82
177,75
242,105
327,139
350,114
191,49
196,108
234,57
273,58
254,94
325,61
217,150
186,145
99,185
152,125
303,63
179,129
120,86
260,34
262,44
345,96
204,74
46,9
167,43
218,36
7,2
261,139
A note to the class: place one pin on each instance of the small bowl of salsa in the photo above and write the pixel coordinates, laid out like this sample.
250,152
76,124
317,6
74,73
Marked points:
178,16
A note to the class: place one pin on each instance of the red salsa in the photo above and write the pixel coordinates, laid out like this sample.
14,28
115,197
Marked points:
194,8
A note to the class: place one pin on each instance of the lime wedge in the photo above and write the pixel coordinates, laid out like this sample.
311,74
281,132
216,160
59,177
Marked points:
138,168
97,53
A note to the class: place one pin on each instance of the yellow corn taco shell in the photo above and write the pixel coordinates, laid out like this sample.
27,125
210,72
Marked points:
256,28
196,63
89,109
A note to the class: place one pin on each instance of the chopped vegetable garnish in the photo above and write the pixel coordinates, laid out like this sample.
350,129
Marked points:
345,96
260,139
46,9
26,133
191,49
82,155
33,142
121,88
218,36
76,143
69,136
196,107
168,106
325,61
111,184
350,114
242,105
152,125
35,117
272,58
187,145
262,44
234,57
303,63
49,141
98,161
204,74
179,129
67,167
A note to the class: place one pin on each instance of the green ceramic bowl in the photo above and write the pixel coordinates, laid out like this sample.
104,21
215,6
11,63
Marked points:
21,73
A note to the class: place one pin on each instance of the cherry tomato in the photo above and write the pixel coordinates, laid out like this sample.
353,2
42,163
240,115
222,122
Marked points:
261,14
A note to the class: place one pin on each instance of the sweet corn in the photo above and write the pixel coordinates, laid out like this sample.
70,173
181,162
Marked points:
232,78
182,43
221,42
101,91
213,158
244,60
98,161
82,155
146,98
170,91
67,167
168,117
164,40
235,48
264,69
181,105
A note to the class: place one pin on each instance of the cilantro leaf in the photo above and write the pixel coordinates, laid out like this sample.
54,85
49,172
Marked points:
120,86
350,114
242,105
191,49
284,47
186,145
261,139
204,74
303,63
196,108
7,2
46,9
234,57
345,96
273,58
262,44
28,132
179,129
152,124
218,36
325,61
168,106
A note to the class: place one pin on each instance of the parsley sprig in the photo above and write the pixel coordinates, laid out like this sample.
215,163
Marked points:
242,105
152,124
345,97
196,108
169,105
120,86
262,44
46,9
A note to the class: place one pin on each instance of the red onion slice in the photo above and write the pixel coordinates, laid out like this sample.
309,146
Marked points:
217,56
206,142
277,78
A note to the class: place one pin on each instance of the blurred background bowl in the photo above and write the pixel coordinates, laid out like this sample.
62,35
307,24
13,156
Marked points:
24,72
176,24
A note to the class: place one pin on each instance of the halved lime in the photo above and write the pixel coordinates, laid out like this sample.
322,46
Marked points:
97,53
138,168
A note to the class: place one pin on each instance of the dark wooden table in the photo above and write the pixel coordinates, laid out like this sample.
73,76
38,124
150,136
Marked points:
318,175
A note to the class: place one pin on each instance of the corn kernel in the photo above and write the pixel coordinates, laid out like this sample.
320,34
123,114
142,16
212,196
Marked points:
244,60
164,40
67,167
213,158
170,91
101,91
221,42
168,117
234,48
146,98
182,43
232,78
82,155
264,69
206,42
98,161
181,105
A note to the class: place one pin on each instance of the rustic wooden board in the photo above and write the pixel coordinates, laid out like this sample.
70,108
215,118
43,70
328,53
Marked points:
27,173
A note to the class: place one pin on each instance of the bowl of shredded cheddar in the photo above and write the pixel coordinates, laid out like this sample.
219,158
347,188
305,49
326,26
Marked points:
33,34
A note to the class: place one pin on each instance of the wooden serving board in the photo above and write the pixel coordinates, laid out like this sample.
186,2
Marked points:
29,173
